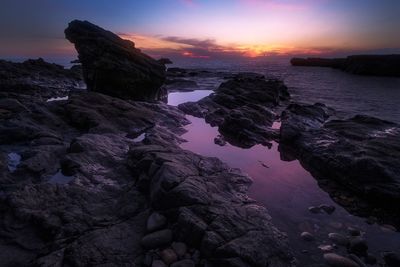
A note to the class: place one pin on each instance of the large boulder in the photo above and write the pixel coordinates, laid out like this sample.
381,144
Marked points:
112,65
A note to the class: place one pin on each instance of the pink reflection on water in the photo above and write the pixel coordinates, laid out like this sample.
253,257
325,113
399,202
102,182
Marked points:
287,190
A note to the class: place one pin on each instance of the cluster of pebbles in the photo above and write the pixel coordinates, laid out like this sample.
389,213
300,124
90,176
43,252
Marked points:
352,243
162,250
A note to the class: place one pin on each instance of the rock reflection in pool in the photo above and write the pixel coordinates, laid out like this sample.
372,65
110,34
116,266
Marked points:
60,178
287,190
177,98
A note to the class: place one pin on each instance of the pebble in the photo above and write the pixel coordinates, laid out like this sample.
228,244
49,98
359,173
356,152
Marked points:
338,239
155,222
314,210
168,256
158,263
183,263
157,239
335,260
358,246
388,228
179,248
219,140
353,231
326,248
306,236
391,259
327,208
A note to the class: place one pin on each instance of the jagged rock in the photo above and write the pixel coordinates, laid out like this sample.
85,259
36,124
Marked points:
112,65
38,79
361,154
242,108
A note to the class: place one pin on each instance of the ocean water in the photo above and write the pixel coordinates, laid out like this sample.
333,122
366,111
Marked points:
348,94
285,188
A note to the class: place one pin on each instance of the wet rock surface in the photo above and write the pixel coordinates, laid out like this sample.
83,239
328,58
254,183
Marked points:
126,202
112,65
360,154
244,108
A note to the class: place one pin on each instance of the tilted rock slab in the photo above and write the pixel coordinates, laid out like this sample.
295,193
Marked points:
112,65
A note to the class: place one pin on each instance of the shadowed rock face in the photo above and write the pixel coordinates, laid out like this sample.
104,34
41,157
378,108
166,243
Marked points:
362,153
243,108
112,65
371,65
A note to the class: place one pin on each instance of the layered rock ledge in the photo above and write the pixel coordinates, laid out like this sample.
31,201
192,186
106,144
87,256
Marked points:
362,154
371,65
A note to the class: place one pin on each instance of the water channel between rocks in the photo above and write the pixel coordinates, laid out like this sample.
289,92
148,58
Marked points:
285,188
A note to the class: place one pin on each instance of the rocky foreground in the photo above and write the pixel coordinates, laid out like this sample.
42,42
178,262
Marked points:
370,65
94,180
99,178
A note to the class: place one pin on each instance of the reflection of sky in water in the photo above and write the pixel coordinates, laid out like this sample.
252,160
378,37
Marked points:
287,190
60,178
174,99
13,161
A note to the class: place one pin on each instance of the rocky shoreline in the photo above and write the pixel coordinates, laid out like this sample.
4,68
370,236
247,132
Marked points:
369,65
99,179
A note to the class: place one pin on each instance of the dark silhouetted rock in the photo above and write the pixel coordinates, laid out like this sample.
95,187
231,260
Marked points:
112,65
371,65
165,61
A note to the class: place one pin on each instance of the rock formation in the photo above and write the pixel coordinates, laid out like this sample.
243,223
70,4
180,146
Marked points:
243,108
38,78
85,185
371,65
361,154
112,65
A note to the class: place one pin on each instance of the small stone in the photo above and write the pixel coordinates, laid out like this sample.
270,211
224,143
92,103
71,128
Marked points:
336,225
338,239
353,231
157,239
187,256
183,263
168,256
358,246
158,263
335,260
327,208
314,210
326,248
306,236
391,259
219,140
304,251
388,228
179,248
155,222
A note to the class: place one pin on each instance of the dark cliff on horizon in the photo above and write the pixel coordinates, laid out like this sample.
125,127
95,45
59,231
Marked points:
369,65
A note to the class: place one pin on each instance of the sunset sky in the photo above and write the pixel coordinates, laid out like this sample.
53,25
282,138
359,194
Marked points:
207,28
